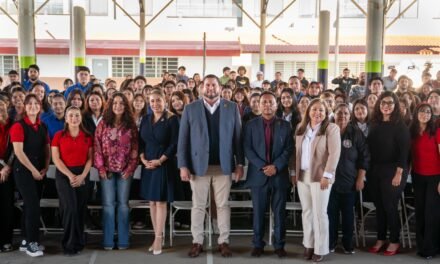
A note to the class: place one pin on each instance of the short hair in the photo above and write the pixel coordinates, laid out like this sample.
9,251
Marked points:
35,67
1,79
66,81
225,87
393,70
233,72
14,72
268,93
140,77
241,68
169,82
226,69
377,78
278,72
255,95
266,82
83,68
300,70
58,95
182,67
346,69
211,76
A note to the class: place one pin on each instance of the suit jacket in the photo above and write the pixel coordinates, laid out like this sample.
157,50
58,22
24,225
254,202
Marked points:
325,153
255,152
193,145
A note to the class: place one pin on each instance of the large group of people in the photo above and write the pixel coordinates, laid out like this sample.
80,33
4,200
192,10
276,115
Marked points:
193,137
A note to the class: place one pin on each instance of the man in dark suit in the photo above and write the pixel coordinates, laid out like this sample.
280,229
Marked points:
268,145
209,148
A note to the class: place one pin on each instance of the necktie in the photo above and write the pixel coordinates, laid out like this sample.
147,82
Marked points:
267,135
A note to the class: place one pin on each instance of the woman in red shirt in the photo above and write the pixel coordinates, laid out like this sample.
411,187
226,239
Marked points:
72,155
6,184
426,177
30,140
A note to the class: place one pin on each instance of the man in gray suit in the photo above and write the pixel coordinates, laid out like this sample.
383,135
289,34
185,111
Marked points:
208,152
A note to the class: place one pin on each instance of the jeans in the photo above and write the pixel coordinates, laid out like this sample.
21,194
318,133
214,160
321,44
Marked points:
115,193
343,203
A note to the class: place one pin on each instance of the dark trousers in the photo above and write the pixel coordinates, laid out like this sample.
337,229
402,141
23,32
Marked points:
73,206
7,211
30,191
427,204
260,199
342,203
386,198
184,216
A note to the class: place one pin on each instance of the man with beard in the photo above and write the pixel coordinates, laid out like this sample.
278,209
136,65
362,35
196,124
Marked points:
208,152
359,90
34,76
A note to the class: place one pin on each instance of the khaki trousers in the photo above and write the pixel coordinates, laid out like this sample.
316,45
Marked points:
200,186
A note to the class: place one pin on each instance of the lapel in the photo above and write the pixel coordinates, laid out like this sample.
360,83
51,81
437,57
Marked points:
315,143
275,136
201,109
223,107
260,136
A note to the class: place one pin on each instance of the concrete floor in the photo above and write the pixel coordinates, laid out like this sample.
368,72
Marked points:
241,246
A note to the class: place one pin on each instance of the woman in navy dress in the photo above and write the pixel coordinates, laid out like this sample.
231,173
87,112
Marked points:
158,145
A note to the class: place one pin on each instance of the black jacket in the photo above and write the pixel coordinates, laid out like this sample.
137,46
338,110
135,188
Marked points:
355,155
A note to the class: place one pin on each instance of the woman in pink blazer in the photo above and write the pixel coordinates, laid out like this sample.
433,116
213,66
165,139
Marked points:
318,146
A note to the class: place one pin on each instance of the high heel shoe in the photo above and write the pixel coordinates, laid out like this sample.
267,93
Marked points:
376,249
391,252
157,252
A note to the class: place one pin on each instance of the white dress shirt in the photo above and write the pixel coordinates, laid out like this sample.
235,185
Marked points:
212,108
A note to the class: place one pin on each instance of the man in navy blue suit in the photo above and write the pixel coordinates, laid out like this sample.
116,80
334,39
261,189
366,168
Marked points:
268,145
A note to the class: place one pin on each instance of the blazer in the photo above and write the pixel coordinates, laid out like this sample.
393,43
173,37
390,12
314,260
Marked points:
193,145
325,153
255,152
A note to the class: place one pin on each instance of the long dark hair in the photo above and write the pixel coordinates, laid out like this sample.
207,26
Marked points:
181,96
127,120
81,126
88,110
431,128
324,124
360,102
377,115
296,115
44,103
72,95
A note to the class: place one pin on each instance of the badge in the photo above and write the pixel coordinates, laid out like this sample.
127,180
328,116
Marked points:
347,143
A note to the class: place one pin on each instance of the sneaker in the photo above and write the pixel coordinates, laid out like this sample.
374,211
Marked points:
23,246
349,251
6,248
33,250
332,250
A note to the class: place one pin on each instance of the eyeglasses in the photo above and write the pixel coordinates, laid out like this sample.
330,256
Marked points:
428,112
384,103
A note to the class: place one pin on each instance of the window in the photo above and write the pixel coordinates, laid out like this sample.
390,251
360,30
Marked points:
207,8
8,63
53,7
98,8
273,7
307,8
154,66
9,6
132,7
289,68
401,5
350,10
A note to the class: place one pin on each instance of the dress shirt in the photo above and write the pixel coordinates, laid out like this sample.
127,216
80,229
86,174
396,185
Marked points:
212,108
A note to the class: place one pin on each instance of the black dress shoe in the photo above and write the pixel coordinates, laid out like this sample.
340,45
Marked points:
425,256
281,253
257,252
